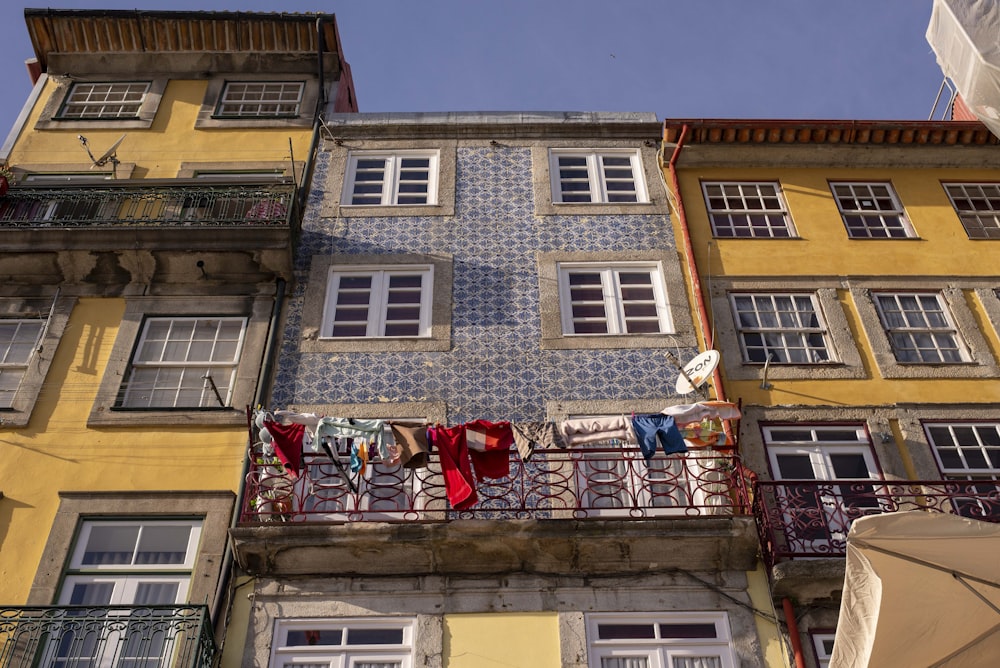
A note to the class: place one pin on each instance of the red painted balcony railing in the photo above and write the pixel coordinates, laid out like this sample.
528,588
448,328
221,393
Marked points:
569,484
810,518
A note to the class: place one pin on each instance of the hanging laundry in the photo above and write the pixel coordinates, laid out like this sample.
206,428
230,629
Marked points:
686,413
531,435
489,448
709,433
412,442
292,417
657,427
359,457
287,441
369,430
453,451
588,430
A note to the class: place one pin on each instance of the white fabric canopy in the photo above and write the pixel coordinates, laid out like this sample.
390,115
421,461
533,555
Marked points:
965,37
921,589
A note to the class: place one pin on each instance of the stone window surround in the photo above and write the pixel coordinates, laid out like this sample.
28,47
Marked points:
982,363
557,411
875,419
213,507
124,171
307,108
433,412
339,159
256,309
651,175
315,299
553,337
332,598
912,419
19,414
190,170
63,84
844,354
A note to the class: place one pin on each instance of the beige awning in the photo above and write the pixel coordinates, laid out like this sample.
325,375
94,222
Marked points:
921,589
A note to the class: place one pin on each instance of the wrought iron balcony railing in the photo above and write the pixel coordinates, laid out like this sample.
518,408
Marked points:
810,518
106,637
148,204
560,484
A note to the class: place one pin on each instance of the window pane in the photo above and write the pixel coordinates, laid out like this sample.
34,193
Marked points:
163,545
622,631
314,637
688,631
375,636
110,544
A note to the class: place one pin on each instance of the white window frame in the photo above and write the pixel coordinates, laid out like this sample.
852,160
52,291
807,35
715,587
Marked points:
16,368
821,642
962,450
87,527
819,451
378,299
660,651
392,172
881,214
253,106
913,334
798,334
597,178
743,203
129,397
977,206
614,305
343,655
104,109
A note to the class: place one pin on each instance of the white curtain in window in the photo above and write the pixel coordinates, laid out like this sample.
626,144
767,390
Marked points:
696,662
624,662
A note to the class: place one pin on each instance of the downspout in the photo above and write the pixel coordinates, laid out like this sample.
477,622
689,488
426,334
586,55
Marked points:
263,382
793,632
699,298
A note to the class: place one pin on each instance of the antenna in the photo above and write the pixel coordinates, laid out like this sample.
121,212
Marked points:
695,373
108,156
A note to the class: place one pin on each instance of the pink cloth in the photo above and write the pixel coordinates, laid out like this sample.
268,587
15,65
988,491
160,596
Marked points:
453,450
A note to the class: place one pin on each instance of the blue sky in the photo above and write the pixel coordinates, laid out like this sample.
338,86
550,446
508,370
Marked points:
820,59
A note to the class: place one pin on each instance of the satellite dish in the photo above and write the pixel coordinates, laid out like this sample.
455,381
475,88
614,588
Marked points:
106,157
695,373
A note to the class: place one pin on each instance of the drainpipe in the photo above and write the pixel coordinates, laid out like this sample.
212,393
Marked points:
263,382
793,632
699,298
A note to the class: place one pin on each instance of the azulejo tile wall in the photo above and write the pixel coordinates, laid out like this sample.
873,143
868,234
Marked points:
495,369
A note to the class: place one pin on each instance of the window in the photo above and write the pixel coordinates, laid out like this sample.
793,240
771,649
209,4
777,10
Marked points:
823,646
666,640
362,302
184,363
606,177
978,207
747,210
782,328
970,451
18,341
124,563
355,643
919,328
627,298
390,179
104,100
817,515
260,99
871,211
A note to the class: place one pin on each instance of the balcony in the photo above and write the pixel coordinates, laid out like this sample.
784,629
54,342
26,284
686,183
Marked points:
109,636
592,509
810,518
138,230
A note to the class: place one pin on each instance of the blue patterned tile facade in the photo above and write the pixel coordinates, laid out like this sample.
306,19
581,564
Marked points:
495,369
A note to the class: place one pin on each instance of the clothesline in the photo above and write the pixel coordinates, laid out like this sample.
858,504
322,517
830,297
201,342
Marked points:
479,449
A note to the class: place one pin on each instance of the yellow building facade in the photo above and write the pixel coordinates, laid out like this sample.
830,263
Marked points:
845,271
154,176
